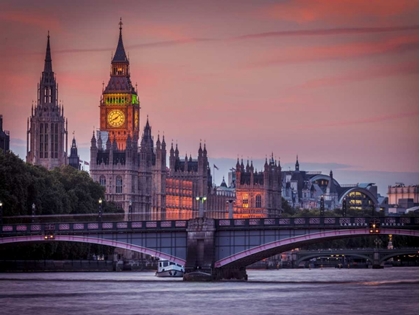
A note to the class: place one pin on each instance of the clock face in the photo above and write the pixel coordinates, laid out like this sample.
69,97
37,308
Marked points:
116,118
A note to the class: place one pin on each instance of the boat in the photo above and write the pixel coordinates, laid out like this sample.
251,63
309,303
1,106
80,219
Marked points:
167,268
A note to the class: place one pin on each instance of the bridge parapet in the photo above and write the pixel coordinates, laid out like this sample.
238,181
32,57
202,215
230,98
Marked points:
316,222
91,227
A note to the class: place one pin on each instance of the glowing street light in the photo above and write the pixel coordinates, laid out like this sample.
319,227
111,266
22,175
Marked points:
201,206
100,210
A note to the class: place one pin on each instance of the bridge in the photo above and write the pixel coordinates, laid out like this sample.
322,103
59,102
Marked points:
375,256
210,248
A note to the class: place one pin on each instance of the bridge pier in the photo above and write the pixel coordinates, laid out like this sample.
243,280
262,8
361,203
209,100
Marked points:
201,256
200,250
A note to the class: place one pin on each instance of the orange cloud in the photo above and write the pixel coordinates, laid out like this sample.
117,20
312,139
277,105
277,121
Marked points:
341,11
33,18
366,74
341,51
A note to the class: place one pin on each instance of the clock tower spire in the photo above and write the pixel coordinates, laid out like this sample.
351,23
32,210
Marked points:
119,107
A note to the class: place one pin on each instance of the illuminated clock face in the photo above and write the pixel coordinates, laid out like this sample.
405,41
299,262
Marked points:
116,118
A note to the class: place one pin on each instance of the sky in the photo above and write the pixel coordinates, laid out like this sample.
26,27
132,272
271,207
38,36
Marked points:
334,82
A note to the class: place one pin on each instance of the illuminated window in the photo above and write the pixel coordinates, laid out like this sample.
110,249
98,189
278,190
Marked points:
245,203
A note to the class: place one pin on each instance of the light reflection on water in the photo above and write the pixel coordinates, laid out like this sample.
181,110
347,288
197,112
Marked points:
286,291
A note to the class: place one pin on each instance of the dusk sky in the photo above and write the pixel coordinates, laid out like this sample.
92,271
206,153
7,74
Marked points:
335,82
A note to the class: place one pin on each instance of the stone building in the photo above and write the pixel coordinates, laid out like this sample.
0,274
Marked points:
138,179
258,194
305,189
47,127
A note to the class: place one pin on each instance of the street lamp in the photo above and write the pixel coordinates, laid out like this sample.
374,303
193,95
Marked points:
100,210
130,205
230,202
1,212
33,212
321,206
344,207
201,206
377,242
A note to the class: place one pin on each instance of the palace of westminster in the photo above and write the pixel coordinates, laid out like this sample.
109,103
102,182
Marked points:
135,173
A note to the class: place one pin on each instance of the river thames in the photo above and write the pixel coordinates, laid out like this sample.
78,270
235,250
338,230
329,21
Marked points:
285,291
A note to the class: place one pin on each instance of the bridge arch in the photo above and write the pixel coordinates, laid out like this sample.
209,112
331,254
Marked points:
302,259
92,240
257,253
385,258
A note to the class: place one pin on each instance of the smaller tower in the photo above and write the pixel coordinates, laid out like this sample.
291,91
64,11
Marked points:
74,159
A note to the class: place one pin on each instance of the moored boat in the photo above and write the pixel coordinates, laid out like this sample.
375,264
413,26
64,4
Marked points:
167,268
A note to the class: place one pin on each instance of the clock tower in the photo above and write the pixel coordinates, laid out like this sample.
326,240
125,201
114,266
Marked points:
120,107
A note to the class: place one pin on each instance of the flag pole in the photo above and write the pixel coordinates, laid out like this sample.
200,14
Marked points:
214,174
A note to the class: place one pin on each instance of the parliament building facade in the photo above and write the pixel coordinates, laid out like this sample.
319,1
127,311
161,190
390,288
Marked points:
136,176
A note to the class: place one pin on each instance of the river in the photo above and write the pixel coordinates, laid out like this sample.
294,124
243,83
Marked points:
285,291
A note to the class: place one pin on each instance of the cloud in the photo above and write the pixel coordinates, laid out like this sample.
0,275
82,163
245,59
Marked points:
367,120
33,18
343,11
338,52
329,32
366,74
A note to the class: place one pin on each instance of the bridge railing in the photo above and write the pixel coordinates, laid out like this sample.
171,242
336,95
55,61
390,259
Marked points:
90,227
327,222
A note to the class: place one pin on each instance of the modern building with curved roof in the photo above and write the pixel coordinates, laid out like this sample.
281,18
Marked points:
305,190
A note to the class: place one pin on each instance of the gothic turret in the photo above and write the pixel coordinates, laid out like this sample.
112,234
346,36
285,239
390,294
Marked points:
74,159
47,129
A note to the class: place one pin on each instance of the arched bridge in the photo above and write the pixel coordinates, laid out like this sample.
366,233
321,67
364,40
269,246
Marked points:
367,254
208,246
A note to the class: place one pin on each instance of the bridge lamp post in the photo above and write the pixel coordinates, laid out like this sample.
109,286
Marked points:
130,210
201,206
344,207
230,202
100,210
1,212
377,242
33,212
321,206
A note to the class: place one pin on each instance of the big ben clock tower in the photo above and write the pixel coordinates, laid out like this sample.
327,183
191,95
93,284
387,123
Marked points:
119,107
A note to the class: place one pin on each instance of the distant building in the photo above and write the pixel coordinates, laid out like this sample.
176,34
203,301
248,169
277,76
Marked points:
4,137
47,127
304,189
402,197
258,194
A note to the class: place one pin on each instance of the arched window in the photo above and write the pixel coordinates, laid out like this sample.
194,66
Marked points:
118,185
258,201
102,181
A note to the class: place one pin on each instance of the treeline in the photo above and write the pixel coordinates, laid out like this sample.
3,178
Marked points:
63,190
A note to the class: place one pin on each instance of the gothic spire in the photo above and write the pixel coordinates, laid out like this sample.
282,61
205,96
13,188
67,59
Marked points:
48,61
120,55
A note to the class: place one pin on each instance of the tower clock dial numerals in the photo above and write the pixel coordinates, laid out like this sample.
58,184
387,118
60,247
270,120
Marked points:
116,118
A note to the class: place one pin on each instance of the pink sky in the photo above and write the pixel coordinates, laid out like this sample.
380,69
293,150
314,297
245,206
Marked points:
332,81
